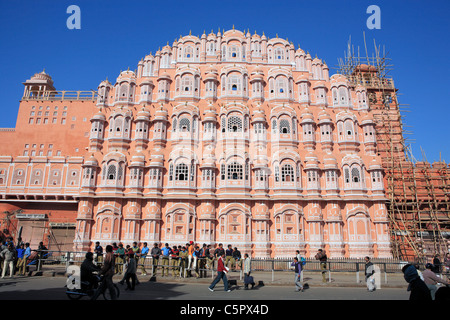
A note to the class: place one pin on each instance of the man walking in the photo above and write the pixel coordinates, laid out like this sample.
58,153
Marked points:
248,279
322,257
221,274
369,272
298,270
107,272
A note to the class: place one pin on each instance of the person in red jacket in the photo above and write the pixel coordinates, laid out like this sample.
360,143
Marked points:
221,274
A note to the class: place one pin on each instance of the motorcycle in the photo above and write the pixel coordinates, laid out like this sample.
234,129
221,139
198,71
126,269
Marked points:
77,289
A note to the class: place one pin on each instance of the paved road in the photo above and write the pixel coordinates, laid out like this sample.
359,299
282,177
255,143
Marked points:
52,288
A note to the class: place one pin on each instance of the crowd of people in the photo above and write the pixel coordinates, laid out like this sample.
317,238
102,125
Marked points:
191,260
15,257
187,260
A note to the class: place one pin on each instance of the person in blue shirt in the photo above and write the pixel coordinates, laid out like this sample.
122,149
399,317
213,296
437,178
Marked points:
298,269
142,256
166,251
21,260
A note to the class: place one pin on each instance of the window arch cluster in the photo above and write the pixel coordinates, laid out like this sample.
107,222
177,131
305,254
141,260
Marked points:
354,176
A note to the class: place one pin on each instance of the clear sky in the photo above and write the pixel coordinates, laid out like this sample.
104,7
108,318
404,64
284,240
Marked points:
115,35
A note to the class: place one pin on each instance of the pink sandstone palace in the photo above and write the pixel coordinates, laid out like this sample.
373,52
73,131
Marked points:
226,138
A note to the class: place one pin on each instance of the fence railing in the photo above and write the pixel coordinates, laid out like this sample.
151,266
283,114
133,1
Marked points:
49,259
59,261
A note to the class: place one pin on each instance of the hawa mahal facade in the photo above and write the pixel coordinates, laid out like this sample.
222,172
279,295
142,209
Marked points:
226,138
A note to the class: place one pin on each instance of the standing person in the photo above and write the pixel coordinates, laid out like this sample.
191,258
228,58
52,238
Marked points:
183,256
120,256
203,254
236,259
142,257
165,254
27,255
196,256
156,252
437,264
322,257
369,272
107,271
98,251
431,279
130,272
229,256
21,260
221,274
209,258
9,256
174,261
297,269
248,279
418,288
190,249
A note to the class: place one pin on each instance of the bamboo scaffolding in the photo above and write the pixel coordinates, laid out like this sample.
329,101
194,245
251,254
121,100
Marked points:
414,195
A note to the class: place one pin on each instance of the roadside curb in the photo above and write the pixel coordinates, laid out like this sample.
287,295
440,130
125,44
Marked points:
234,280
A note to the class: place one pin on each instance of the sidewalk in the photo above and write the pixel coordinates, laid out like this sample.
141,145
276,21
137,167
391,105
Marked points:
266,278
286,278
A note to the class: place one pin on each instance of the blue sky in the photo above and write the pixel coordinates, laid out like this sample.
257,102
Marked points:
115,35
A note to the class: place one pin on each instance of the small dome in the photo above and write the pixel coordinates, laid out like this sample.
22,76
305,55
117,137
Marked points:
99,116
90,160
42,76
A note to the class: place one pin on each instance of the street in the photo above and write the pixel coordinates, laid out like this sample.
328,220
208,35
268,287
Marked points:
52,288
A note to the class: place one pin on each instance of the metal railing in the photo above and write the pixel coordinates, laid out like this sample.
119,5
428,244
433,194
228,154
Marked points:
59,261
49,259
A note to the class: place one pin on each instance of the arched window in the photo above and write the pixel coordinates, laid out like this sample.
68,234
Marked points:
234,124
185,125
355,175
285,126
181,172
234,171
111,175
281,87
233,52
287,173
279,54
187,84
234,83
188,53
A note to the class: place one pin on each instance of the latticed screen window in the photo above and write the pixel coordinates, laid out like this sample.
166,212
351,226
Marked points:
120,173
355,175
171,172
185,125
234,124
234,83
347,175
181,172
222,171
222,123
287,173
285,126
235,171
274,126
111,172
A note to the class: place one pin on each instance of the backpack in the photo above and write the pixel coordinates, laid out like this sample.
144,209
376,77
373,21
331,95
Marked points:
302,261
